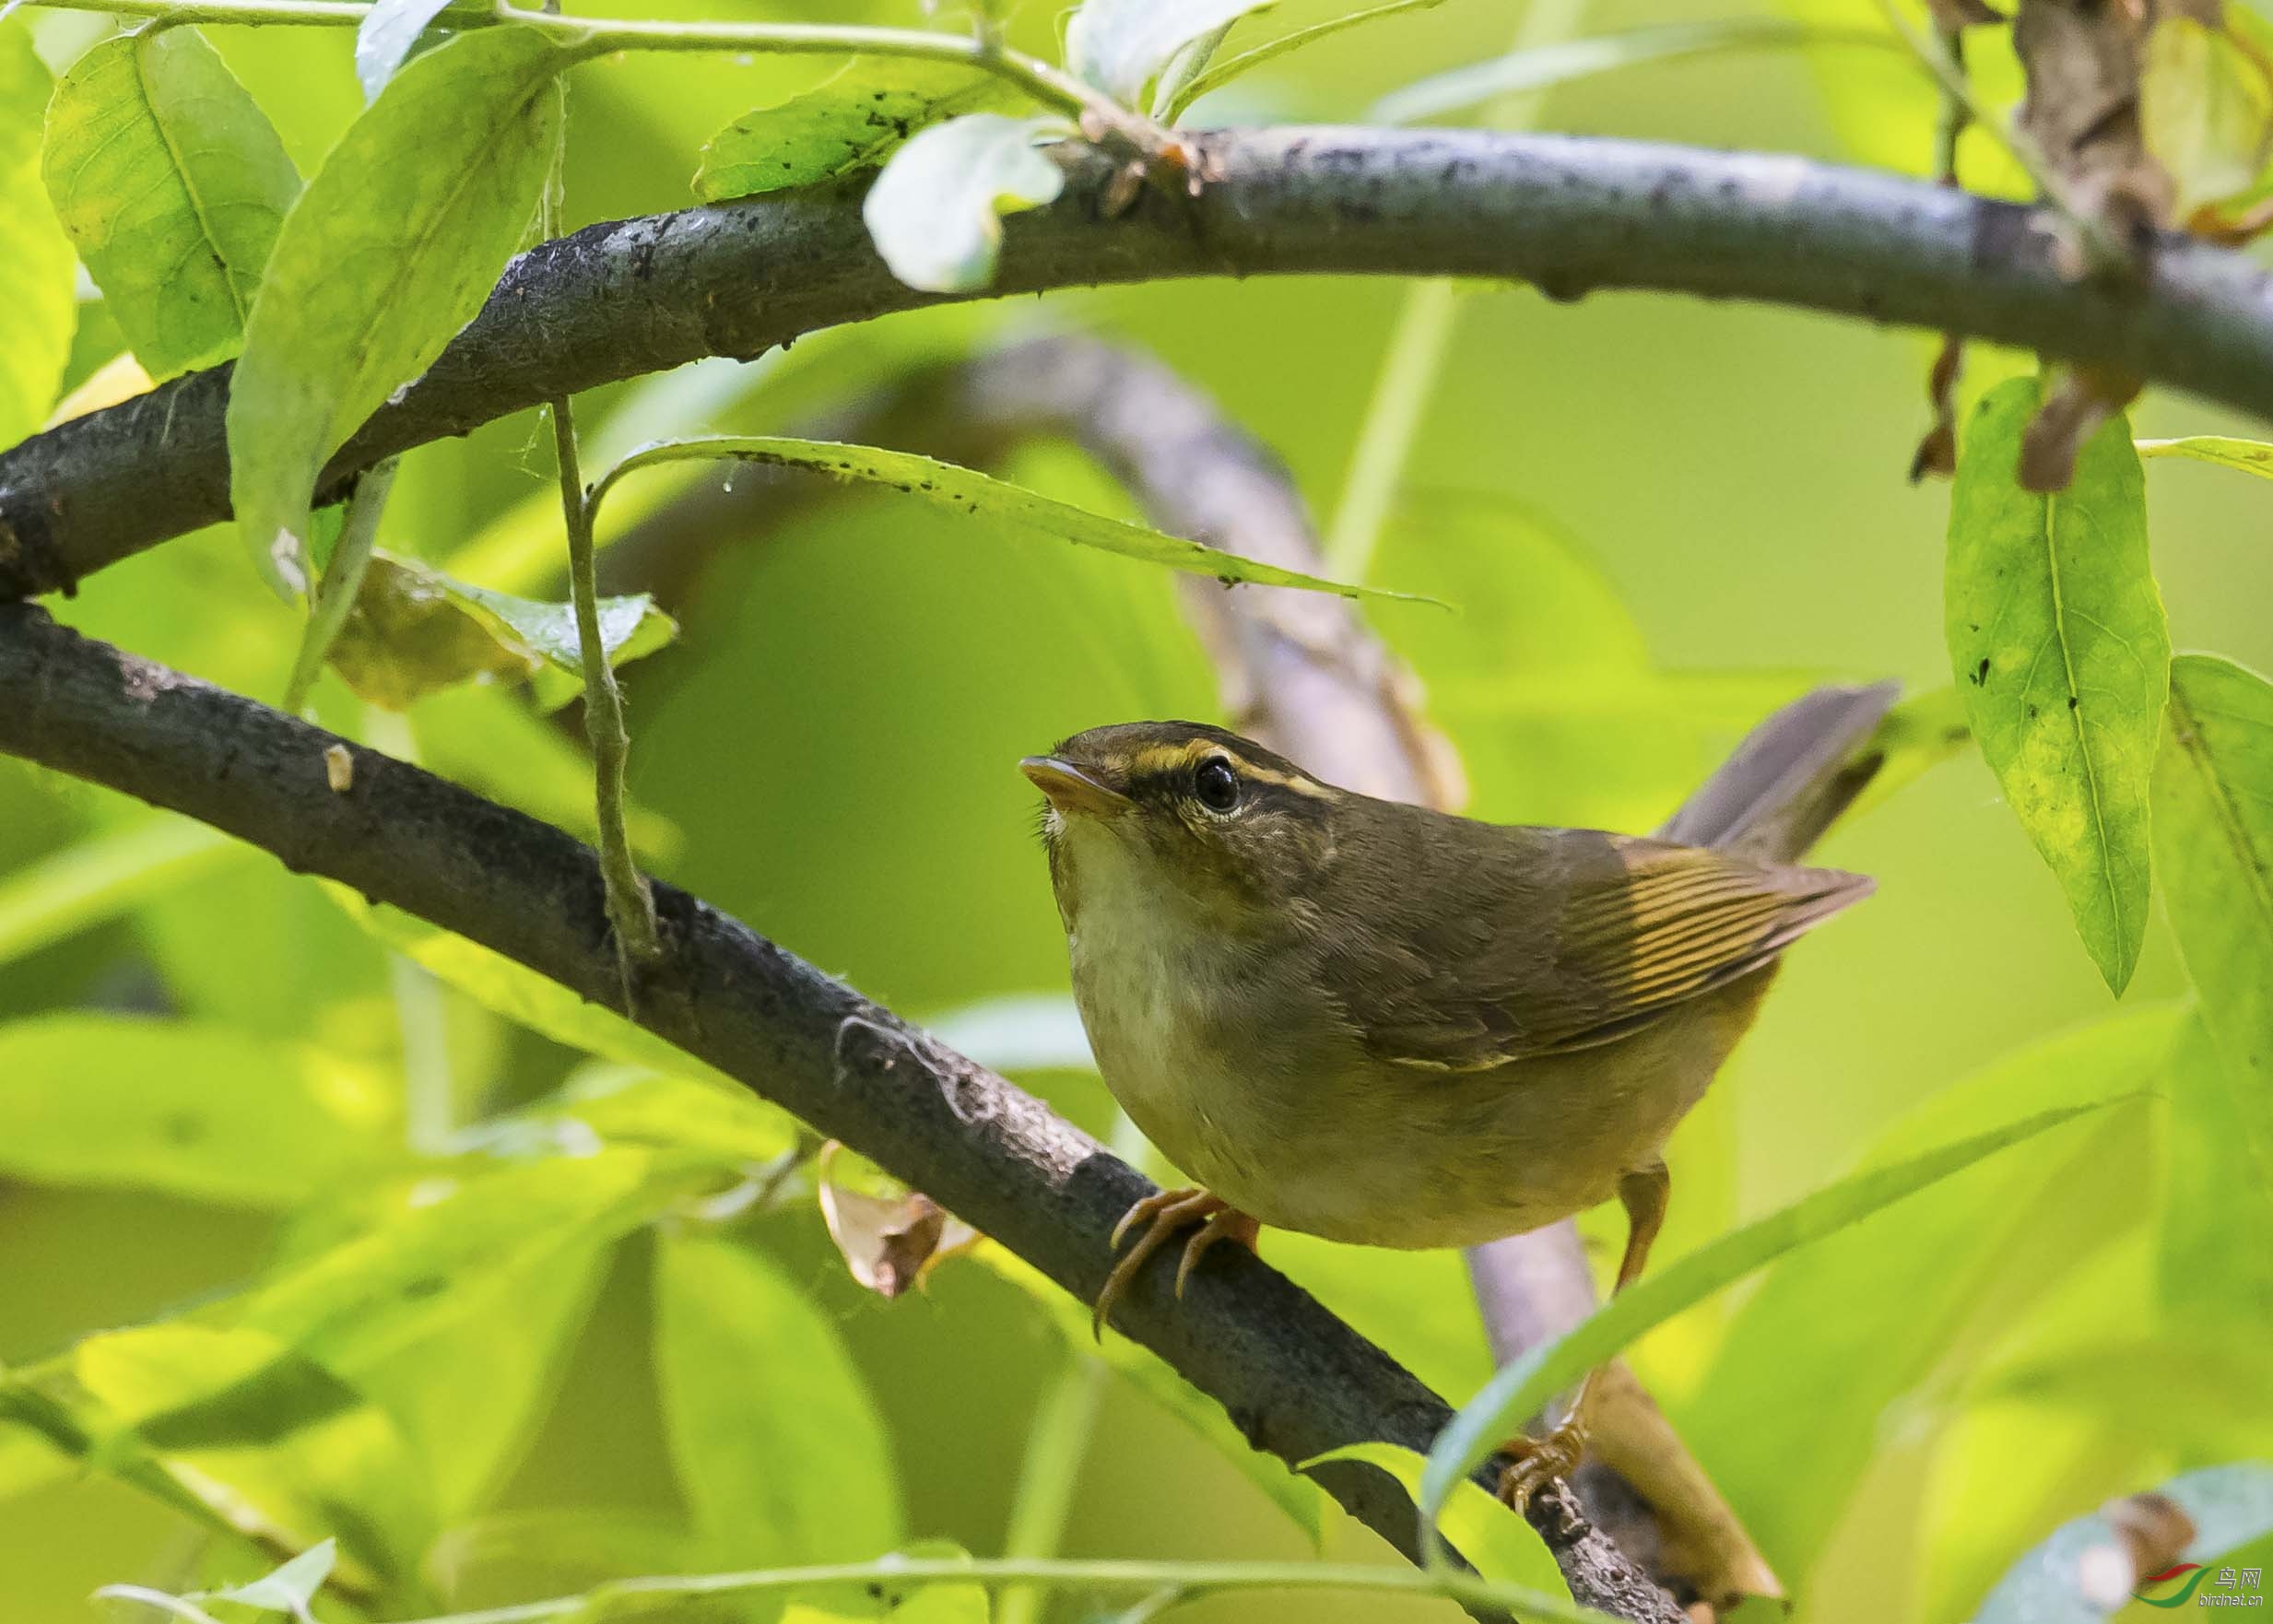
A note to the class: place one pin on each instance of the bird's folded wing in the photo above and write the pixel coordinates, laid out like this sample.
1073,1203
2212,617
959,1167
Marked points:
1628,930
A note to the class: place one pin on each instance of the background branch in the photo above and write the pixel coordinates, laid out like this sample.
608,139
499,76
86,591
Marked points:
1291,1376
1570,215
1301,672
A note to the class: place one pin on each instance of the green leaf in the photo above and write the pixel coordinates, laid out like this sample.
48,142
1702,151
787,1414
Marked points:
1121,46
2214,843
2060,651
414,631
200,1111
380,264
171,184
514,991
1223,73
782,1457
935,212
1916,736
2251,457
104,876
2218,1182
447,1242
1496,1542
980,496
1885,1306
723,1122
1537,67
265,1438
39,305
851,121
2084,1571
1524,1387
1300,1498
472,1391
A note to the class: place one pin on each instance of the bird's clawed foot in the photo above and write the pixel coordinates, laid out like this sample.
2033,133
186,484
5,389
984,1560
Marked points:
1165,1213
1539,1461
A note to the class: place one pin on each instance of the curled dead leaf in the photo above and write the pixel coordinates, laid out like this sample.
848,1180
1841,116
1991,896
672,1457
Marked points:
1936,453
889,1242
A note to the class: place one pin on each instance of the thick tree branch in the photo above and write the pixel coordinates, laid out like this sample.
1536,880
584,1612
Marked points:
1568,215
1294,1379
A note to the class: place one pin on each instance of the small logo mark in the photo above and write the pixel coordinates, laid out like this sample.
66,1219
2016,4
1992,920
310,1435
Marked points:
2193,1573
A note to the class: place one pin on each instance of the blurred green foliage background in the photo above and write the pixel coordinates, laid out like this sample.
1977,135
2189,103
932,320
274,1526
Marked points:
1661,517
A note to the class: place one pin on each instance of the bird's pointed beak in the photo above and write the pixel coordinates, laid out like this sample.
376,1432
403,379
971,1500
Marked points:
1072,789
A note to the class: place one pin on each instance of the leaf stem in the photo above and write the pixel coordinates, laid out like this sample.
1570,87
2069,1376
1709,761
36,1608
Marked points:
631,909
1186,1579
343,578
589,36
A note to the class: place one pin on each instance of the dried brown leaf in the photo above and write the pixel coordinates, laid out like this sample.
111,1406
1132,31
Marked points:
889,1243
1936,453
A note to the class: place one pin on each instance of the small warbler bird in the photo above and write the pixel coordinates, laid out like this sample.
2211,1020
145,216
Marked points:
1385,1025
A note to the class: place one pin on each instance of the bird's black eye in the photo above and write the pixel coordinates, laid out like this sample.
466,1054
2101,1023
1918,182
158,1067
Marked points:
1215,784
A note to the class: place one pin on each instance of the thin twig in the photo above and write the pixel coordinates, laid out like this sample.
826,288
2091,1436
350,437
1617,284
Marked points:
334,597
1182,1579
630,907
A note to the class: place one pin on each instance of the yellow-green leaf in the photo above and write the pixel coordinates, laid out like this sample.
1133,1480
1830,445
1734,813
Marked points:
389,252
2251,457
2057,640
980,496
2214,844
38,308
851,121
171,184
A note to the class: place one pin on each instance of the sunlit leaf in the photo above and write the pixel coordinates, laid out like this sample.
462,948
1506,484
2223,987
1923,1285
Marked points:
201,1111
1495,1541
1300,1499
472,1391
2084,1571
2251,457
935,212
979,495
380,264
516,992
171,182
780,1455
106,874
2205,109
2219,1182
38,305
2057,640
1121,45
607,1103
266,1439
2214,844
851,121
1537,67
1881,1306
1524,1387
